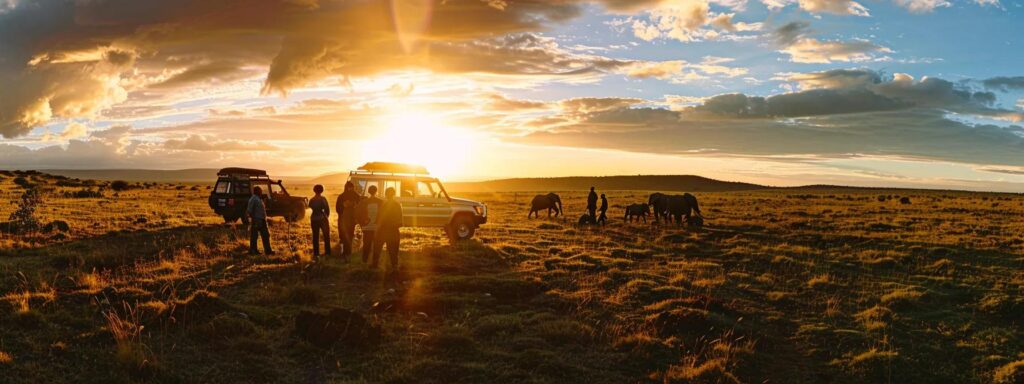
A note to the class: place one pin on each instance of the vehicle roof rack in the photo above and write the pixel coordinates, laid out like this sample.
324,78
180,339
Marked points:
391,168
241,171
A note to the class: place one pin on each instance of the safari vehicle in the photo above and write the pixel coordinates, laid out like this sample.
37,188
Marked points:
425,203
234,188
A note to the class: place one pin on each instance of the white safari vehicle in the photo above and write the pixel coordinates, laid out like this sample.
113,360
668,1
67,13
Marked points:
424,201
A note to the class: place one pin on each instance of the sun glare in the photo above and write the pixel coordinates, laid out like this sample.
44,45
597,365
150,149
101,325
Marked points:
422,138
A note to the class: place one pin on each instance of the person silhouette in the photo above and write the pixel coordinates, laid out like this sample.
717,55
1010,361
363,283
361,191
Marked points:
346,208
257,213
319,222
604,210
592,204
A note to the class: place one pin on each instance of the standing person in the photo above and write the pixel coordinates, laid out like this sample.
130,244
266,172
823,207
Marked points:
346,207
389,220
257,213
319,222
366,214
592,204
604,210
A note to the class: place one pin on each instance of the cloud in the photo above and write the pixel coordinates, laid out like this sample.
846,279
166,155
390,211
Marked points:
1004,83
789,33
800,104
911,133
856,90
206,144
502,103
808,50
923,6
838,7
73,130
837,113
681,71
589,105
837,78
686,21
73,59
794,39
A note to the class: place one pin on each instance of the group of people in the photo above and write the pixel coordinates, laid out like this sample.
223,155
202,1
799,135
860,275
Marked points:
592,207
380,221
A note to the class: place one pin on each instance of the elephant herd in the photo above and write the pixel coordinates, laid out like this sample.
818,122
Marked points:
668,208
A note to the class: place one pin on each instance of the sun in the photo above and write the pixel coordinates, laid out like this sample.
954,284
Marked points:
421,137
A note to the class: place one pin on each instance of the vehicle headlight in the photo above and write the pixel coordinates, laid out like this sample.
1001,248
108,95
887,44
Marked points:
479,210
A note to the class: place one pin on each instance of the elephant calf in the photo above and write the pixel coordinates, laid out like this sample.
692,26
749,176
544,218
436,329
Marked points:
637,211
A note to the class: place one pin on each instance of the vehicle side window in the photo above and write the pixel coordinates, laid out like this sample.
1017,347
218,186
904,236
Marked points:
223,186
241,187
364,185
423,189
408,189
391,184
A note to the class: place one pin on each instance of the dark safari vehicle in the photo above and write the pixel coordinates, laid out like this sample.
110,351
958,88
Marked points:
234,188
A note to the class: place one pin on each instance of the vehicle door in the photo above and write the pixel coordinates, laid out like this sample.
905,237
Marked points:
269,200
241,191
433,207
406,197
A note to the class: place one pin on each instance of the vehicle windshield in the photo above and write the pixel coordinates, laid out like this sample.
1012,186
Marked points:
431,188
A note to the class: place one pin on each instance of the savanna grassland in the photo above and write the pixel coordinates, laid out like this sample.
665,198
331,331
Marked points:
144,284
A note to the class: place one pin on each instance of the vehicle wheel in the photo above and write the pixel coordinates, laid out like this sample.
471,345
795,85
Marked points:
230,219
461,228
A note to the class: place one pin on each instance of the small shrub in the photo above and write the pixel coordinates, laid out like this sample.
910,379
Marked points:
120,185
21,181
24,218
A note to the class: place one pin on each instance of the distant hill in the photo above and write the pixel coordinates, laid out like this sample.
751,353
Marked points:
194,175
681,183
148,175
330,179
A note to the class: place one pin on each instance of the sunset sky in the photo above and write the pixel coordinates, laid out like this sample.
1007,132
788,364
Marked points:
920,93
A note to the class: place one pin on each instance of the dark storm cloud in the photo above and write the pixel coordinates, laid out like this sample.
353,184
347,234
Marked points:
913,133
806,103
838,113
851,91
1004,83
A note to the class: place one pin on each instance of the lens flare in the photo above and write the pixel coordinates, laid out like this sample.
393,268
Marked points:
411,19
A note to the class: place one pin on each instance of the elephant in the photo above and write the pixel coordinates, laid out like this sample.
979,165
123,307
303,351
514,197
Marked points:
675,207
659,205
550,202
638,211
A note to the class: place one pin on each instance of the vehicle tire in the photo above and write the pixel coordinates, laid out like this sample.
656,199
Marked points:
228,219
461,228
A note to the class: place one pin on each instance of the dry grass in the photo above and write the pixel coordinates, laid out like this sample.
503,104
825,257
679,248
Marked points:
810,286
